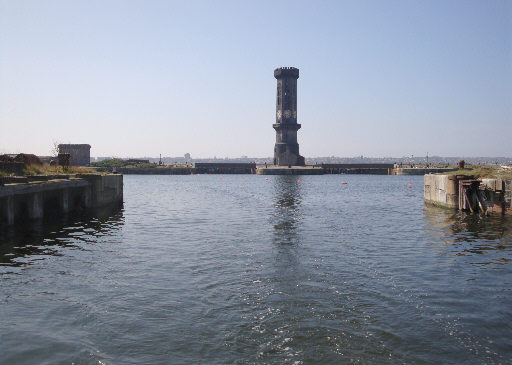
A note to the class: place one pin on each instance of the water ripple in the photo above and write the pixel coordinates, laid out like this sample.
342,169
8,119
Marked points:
205,269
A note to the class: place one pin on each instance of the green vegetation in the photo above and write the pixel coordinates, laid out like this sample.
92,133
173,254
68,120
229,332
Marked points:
483,171
114,162
55,170
117,162
143,165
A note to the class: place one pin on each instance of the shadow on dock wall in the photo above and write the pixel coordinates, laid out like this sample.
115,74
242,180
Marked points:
47,235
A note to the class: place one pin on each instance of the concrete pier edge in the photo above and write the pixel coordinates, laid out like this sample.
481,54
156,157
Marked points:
447,191
33,200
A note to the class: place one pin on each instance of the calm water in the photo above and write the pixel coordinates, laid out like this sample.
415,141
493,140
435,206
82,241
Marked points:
206,269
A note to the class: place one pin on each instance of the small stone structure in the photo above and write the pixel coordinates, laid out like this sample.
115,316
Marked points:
80,153
286,150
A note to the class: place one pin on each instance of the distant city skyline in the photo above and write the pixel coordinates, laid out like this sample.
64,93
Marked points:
322,159
135,78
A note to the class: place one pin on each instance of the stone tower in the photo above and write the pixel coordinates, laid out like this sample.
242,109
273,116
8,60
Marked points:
286,150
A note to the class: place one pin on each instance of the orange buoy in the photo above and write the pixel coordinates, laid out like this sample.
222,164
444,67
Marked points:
410,185
266,178
298,180
343,182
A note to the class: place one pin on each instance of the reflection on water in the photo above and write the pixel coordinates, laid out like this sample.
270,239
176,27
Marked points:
463,234
287,214
43,237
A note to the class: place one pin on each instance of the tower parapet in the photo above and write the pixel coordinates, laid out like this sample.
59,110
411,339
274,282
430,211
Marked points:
286,150
286,71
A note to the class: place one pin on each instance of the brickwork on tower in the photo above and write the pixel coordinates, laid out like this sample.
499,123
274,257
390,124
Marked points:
286,150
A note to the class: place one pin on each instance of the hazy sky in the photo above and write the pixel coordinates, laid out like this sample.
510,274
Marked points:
139,78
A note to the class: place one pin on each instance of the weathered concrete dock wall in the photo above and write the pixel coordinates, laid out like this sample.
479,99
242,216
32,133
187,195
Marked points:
252,168
441,190
361,168
224,168
495,194
294,170
361,171
152,171
508,192
36,200
419,171
201,169
466,193
103,189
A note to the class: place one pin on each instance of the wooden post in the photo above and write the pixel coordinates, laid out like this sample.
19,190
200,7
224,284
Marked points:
480,201
35,206
467,200
9,206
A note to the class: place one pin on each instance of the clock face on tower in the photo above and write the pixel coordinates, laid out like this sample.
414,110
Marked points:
278,114
287,114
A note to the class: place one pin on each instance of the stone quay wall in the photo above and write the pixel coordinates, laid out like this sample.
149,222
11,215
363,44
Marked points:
358,168
224,168
147,170
199,168
420,170
294,170
441,190
466,193
36,200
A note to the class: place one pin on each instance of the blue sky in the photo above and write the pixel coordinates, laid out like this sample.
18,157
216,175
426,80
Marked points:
140,78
